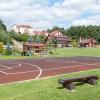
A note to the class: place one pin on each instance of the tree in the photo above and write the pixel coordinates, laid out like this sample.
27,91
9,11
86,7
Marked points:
30,39
4,36
75,32
2,26
19,37
62,30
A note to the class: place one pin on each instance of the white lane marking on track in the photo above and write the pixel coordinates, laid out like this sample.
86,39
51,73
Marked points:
61,61
72,66
53,68
16,66
5,67
40,70
23,72
3,72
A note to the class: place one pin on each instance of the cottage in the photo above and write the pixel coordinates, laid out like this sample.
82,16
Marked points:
62,40
30,48
86,42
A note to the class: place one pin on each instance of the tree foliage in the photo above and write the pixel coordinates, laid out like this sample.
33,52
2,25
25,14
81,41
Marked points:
4,36
84,32
39,38
2,26
19,37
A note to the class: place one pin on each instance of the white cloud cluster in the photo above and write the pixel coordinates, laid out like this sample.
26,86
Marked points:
94,20
41,15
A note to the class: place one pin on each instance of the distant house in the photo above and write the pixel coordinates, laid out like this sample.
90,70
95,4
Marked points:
86,42
62,40
22,29
34,47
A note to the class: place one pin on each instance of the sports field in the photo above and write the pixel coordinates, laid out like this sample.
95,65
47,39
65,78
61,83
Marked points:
26,69
24,79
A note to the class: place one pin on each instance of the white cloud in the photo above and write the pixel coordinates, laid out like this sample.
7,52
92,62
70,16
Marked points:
41,15
93,20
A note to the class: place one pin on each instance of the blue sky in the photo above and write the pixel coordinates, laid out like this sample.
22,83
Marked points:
52,2
44,14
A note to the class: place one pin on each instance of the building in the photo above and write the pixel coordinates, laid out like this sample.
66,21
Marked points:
86,42
22,29
62,40
30,48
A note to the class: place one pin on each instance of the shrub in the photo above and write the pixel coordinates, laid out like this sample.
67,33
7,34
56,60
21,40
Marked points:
1,47
8,49
74,43
3,52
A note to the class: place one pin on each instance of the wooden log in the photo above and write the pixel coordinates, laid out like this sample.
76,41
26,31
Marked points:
92,81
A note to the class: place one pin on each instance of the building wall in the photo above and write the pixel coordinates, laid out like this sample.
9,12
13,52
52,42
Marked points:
22,30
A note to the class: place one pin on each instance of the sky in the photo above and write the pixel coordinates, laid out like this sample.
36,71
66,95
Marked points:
44,14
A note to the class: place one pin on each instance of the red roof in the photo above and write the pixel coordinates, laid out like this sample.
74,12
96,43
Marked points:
55,32
35,44
85,41
39,45
40,32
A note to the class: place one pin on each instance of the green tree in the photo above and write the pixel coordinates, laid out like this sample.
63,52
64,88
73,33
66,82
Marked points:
30,39
2,26
62,30
4,36
19,37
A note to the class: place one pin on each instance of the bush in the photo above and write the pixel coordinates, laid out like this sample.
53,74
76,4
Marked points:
3,52
8,49
1,47
74,43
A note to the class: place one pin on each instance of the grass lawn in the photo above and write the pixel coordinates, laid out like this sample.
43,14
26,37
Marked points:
18,57
62,52
47,89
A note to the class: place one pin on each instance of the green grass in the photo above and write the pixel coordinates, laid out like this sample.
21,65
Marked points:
61,52
46,89
5,57
66,52
13,57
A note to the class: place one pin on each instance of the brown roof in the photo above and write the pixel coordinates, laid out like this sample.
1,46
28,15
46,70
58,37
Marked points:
54,32
86,41
35,44
61,36
40,32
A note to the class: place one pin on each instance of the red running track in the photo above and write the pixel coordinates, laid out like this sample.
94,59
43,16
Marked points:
20,70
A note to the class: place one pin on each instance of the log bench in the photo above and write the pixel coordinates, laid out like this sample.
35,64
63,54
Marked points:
69,82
